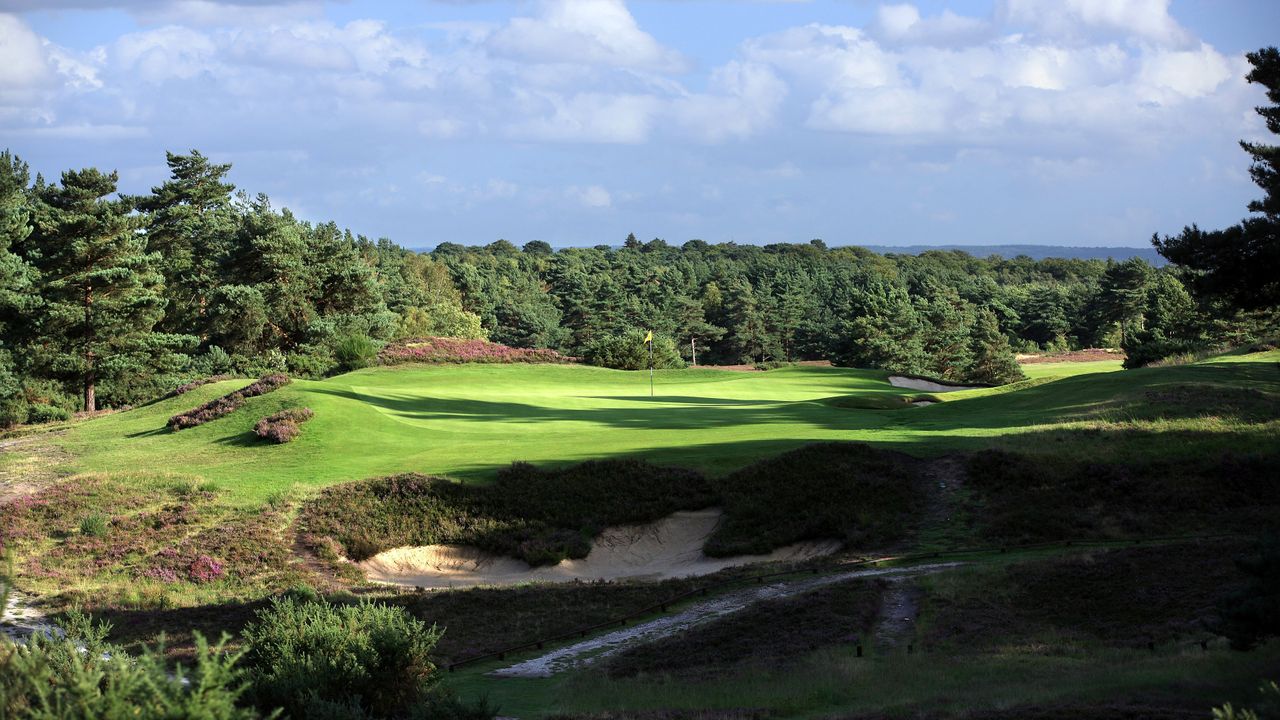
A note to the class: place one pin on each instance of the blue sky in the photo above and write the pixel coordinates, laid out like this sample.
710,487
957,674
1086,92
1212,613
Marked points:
1068,122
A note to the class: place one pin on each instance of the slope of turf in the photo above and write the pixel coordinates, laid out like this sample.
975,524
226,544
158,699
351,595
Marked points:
467,421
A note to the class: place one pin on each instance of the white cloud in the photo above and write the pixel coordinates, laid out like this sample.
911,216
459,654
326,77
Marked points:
904,24
586,117
23,60
1075,19
591,196
599,32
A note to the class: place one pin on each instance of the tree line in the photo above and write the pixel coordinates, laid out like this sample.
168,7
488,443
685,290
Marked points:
109,299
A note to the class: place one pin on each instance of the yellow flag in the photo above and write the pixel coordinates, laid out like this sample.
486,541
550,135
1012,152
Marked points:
649,338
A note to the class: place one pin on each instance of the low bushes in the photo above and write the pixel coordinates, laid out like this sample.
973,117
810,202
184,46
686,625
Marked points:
187,387
1023,498
540,516
458,350
314,659
228,403
839,491
282,427
844,491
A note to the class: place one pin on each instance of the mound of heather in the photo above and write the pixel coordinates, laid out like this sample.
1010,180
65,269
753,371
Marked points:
458,350
228,403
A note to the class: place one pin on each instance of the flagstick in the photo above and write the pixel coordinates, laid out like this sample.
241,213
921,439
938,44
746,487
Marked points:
650,368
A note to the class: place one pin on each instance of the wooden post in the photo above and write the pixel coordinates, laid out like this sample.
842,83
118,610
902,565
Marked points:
859,649
911,648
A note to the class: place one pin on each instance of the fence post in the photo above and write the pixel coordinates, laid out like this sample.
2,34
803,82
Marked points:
911,648
859,650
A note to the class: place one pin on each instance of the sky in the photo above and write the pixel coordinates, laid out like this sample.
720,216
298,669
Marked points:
576,122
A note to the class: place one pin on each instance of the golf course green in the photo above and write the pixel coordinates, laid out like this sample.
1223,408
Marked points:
466,421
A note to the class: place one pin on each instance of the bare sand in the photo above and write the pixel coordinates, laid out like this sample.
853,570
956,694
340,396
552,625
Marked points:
925,385
669,548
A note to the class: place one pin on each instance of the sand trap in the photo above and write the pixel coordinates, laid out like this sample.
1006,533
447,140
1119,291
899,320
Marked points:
925,385
669,548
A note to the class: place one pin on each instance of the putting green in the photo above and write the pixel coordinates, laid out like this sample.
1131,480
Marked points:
468,420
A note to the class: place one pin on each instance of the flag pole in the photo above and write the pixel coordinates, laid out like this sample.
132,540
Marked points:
651,363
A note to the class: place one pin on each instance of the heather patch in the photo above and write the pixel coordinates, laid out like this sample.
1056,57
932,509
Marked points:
282,427
228,403
458,350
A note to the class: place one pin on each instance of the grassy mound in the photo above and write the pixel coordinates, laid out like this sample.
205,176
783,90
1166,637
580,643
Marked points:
1120,598
468,421
1016,497
540,516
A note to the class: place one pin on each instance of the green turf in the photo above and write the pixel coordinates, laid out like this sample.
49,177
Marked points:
469,420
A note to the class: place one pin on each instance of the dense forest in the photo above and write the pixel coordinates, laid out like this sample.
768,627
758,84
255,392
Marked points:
111,299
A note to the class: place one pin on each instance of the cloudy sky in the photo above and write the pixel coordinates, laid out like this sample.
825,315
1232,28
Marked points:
1074,122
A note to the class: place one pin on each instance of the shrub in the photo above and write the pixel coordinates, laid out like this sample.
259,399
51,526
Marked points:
81,676
228,403
315,659
457,350
187,387
40,413
355,351
282,427
842,491
94,525
540,516
205,569
629,351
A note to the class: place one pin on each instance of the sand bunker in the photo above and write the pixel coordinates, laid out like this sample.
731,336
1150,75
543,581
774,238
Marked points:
925,385
669,548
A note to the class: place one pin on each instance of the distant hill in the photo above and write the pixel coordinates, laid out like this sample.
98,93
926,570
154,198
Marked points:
1035,252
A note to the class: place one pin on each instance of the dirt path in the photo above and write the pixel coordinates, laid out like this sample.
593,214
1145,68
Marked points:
28,465
943,477
593,649
899,607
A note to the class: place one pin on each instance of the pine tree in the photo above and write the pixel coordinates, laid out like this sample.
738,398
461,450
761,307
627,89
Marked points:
190,221
993,360
17,277
101,289
1239,263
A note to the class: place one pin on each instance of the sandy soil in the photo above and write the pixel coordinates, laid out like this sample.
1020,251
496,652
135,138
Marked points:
593,649
669,548
925,385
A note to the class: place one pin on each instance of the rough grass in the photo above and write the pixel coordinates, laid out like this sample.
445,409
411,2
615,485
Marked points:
771,633
1018,497
834,683
540,516
155,541
468,421
826,491
1120,598
845,491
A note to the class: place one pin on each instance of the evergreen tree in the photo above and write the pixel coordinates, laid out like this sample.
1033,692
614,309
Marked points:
101,289
190,223
1239,263
993,360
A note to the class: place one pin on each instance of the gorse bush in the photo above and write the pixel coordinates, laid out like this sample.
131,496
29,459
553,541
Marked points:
315,659
629,351
227,404
353,352
282,427
83,677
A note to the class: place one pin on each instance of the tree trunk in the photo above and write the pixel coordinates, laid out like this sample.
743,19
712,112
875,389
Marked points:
90,379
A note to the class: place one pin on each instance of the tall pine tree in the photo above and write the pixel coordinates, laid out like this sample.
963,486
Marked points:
100,287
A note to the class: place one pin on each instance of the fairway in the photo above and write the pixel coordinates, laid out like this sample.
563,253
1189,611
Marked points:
467,421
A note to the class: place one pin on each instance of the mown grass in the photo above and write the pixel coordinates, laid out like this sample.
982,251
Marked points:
468,421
